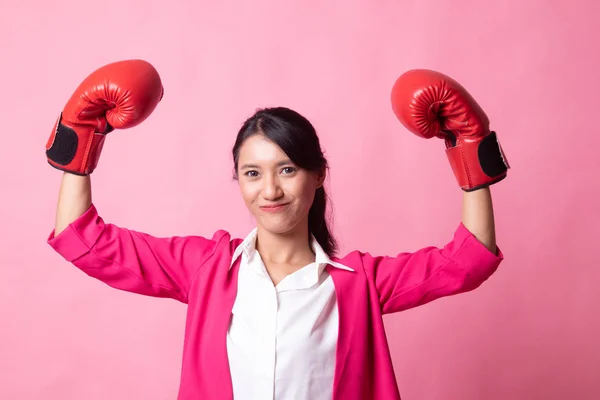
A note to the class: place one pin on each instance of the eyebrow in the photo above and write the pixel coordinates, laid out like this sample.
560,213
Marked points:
279,164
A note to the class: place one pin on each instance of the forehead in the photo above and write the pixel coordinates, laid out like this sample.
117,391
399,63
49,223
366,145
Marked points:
259,149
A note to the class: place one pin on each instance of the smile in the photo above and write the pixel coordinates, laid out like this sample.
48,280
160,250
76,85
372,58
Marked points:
274,207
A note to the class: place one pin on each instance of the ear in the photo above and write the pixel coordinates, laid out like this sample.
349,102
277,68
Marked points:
321,175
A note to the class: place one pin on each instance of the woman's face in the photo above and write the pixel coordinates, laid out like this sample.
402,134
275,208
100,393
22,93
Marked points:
277,192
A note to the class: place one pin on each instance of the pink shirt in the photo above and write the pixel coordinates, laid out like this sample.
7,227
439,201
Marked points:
196,271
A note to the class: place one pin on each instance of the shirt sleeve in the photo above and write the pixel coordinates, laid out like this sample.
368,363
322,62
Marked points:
415,278
133,261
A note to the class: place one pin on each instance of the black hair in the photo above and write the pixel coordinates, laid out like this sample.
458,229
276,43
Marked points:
298,139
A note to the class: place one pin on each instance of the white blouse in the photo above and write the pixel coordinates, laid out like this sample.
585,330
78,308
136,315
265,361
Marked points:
282,339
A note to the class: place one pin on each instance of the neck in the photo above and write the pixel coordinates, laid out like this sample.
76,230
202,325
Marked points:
287,248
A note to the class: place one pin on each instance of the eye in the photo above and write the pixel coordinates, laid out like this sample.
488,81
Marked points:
251,174
288,170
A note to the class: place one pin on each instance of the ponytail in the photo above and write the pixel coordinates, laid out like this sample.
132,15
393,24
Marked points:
318,224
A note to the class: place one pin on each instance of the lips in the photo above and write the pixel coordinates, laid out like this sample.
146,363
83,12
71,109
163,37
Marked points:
274,207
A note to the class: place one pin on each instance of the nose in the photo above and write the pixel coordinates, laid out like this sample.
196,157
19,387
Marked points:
271,189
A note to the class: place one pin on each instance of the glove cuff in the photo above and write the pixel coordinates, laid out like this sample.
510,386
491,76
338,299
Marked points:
478,163
74,149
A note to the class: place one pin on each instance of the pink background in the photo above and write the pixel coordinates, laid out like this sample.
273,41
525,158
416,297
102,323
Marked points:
531,332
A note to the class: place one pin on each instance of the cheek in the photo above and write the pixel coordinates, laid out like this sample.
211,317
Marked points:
306,192
248,192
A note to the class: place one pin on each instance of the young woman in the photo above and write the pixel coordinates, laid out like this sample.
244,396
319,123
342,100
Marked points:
277,314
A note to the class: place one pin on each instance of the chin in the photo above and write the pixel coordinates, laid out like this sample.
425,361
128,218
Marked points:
277,228
279,225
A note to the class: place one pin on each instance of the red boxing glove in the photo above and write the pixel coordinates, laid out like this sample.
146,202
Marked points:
120,95
430,104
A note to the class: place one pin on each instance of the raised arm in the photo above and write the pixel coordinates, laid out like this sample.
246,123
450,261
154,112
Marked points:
117,96
478,216
430,104
74,198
